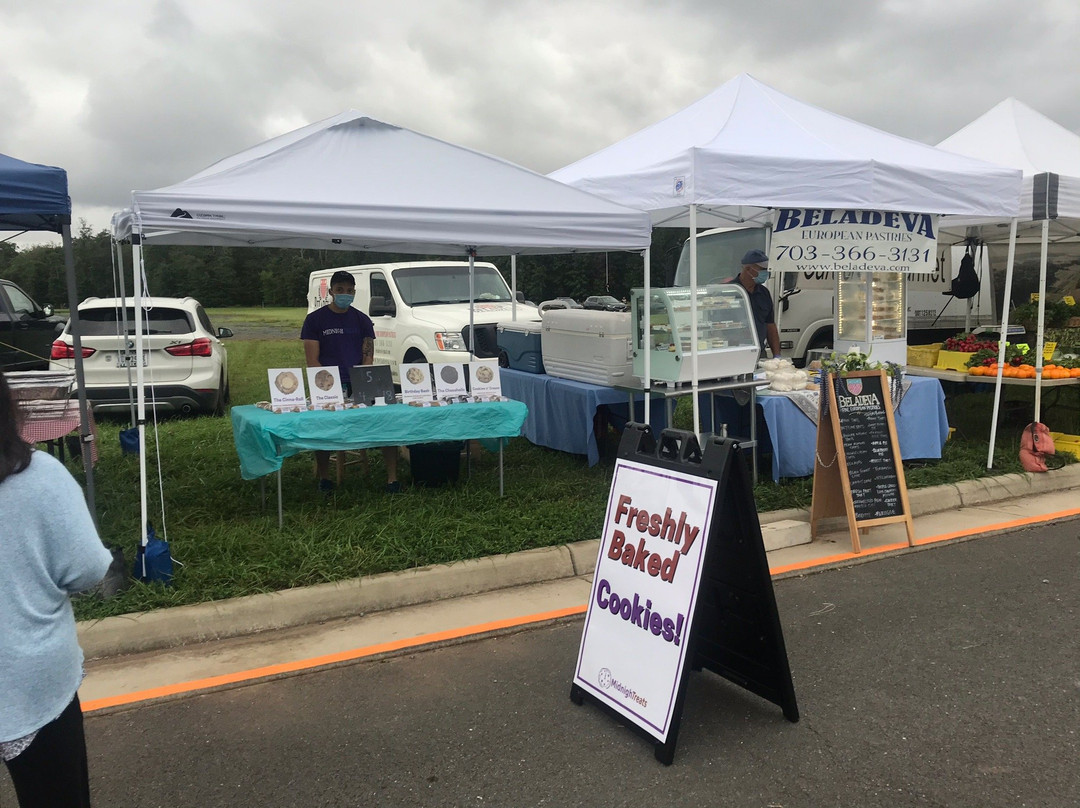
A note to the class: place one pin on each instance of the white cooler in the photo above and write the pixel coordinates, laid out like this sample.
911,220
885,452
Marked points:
589,346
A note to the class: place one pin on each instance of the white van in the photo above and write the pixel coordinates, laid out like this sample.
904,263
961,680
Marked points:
421,309
804,301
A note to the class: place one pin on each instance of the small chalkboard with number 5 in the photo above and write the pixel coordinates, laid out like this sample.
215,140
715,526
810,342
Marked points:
372,384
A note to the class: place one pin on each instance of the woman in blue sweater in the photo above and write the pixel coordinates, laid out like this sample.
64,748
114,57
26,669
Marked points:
49,548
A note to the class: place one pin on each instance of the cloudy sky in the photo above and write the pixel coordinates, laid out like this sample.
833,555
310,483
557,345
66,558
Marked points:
137,94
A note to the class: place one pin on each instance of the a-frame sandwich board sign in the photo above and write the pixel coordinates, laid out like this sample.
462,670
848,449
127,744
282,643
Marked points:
858,472
681,583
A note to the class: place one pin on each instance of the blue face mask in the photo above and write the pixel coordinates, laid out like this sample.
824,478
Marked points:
343,301
762,276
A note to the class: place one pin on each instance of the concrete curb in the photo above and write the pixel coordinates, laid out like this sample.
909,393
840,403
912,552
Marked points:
183,625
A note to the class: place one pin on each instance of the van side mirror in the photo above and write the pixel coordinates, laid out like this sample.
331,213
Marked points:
519,296
381,307
223,332
785,304
48,309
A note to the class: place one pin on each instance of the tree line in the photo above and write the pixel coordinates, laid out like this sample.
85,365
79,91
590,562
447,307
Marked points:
260,276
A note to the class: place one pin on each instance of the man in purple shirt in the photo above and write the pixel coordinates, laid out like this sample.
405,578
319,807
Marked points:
338,334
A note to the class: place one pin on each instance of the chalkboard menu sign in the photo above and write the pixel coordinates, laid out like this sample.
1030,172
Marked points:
868,446
857,470
372,384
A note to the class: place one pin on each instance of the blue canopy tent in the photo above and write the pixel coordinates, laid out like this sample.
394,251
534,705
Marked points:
35,197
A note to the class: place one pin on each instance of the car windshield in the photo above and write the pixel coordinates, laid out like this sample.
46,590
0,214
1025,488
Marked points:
431,286
101,322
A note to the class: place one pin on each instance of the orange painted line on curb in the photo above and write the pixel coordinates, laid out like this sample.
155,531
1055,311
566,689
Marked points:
319,661
958,534
495,625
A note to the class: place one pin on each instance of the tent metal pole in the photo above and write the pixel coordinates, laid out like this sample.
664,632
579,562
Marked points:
85,436
1041,331
513,288
694,321
646,333
119,251
1001,340
140,380
472,304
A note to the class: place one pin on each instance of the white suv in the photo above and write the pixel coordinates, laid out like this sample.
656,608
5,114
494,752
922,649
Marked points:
187,368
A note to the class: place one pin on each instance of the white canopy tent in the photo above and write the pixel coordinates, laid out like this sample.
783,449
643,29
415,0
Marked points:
1012,134
351,182
746,149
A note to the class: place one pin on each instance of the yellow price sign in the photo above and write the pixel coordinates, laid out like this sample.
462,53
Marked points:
1048,350
1034,297
1069,300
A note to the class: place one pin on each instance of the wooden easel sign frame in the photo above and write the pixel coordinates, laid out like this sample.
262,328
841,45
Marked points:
858,471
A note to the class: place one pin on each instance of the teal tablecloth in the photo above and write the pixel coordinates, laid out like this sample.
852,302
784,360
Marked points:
263,439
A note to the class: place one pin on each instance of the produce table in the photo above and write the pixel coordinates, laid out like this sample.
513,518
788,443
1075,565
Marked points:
264,439
959,383
921,425
966,378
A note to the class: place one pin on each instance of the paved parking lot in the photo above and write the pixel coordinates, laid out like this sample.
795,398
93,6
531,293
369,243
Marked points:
942,677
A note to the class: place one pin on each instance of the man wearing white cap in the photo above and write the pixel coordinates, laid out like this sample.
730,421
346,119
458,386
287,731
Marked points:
755,271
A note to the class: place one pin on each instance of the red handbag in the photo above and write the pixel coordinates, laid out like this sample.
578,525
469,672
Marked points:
1035,445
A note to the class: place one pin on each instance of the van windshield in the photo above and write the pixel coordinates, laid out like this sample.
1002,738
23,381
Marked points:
719,255
436,285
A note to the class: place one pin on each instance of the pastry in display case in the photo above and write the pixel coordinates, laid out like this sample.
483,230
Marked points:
877,298
726,341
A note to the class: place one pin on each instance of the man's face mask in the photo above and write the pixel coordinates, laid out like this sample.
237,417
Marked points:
343,301
762,276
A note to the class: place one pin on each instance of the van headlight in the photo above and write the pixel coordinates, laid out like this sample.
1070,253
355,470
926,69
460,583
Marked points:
449,341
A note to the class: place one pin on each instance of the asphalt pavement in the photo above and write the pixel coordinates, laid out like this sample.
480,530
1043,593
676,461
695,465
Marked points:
939,678
943,674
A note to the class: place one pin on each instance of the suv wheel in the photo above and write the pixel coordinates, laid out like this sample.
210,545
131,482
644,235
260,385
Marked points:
223,398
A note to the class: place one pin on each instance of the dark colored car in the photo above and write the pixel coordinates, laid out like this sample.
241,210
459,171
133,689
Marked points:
605,303
27,330
559,303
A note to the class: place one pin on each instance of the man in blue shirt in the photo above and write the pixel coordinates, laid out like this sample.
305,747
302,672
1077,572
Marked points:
755,271
338,334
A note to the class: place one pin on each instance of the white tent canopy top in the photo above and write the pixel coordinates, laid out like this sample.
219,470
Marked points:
746,147
354,183
1013,134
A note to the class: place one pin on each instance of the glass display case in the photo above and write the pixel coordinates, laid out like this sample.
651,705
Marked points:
727,344
877,299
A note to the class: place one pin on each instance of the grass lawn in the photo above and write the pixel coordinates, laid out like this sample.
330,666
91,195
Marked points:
226,537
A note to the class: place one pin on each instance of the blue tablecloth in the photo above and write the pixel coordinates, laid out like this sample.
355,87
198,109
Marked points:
263,439
562,411
921,426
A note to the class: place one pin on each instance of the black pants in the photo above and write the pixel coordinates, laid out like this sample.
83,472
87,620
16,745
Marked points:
52,771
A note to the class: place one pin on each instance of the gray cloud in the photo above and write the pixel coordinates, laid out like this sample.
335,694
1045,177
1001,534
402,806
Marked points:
130,94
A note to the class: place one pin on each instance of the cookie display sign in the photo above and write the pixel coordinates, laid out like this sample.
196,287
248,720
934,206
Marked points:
325,386
287,388
484,379
681,584
449,379
416,383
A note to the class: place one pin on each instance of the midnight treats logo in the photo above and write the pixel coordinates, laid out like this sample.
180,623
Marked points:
605,678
